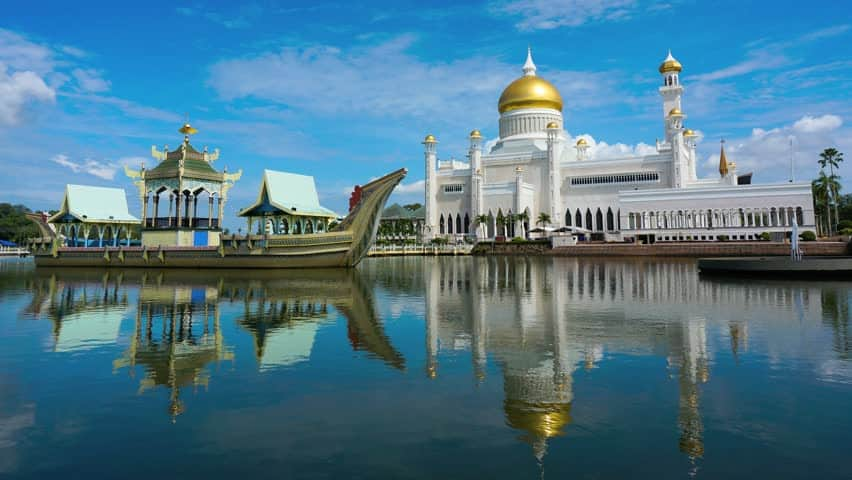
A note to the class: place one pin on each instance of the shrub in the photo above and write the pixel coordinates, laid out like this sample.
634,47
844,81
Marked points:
518,240
764,236
439,241
845,225
807,236
722,238
846,231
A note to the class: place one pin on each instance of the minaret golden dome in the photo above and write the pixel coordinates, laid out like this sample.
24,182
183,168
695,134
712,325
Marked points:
529,91
552,125
430,139
581,142
475,134
670,64
675,112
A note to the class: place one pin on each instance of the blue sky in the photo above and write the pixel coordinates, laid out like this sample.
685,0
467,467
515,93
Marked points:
346,91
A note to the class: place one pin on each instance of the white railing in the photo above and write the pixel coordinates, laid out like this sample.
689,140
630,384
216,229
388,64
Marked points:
13,252
381,250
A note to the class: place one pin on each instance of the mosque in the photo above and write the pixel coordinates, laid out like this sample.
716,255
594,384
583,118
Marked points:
536,167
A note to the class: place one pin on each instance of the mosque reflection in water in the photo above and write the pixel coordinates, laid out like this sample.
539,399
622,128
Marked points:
536,321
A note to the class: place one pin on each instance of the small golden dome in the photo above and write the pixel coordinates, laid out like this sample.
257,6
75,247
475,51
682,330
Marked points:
430,139
187,129
552,125
670,65
582,142
475,134
529,91
689,133
675,112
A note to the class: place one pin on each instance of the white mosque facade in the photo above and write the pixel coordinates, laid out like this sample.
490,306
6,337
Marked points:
535,167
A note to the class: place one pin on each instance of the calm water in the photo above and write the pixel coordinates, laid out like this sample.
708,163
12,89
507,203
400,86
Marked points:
424,368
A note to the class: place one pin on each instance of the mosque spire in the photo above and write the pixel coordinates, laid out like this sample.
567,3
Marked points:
529,66
723,161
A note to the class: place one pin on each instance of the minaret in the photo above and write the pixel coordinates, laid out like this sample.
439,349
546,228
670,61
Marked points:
555,173
582,147
430,151
475,154
691,139
671,90
519,185
680,154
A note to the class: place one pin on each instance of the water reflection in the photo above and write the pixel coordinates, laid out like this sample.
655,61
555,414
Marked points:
541,320
546,333
177,333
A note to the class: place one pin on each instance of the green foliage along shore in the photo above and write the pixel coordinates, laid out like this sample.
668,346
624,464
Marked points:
14,225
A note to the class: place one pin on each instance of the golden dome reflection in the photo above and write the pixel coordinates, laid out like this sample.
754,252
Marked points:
539,420
529,92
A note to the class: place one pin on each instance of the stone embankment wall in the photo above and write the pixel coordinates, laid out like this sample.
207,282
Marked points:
714,249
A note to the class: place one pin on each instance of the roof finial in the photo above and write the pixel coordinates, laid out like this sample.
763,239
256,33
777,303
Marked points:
529,66
187,129
723,160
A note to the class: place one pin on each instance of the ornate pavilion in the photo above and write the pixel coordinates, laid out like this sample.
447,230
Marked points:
186,177
287,203
93,216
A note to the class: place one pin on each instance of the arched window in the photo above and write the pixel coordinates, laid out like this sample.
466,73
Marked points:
450,223
459,224
599,221
610,223
466,224
441,224
618,219
578,219
589,224
568,218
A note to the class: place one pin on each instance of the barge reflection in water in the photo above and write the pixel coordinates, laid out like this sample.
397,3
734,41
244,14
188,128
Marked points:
420,367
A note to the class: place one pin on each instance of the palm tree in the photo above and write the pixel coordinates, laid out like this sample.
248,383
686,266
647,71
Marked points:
543,219
820,188
831,158
481,219
501,223
524,218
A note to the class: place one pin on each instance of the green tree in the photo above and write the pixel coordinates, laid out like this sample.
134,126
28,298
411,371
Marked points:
543,219
413,206
14,225
832,159
501,223
821,205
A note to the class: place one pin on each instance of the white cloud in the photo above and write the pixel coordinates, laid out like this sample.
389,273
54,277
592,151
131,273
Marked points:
104,170
550,14
384,80
413,187
20,54
601,150
767,151
825,123
90,80
757,61
17,90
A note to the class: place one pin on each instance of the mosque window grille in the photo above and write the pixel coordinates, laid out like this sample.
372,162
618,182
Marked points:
635,177
454,188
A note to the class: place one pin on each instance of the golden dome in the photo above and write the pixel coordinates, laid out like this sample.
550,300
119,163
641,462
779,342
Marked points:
430,139
552,125
670,64
689,133
675,112
475,134
581,142
529,91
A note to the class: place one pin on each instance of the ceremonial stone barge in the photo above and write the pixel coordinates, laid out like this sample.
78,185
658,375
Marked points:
287,227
